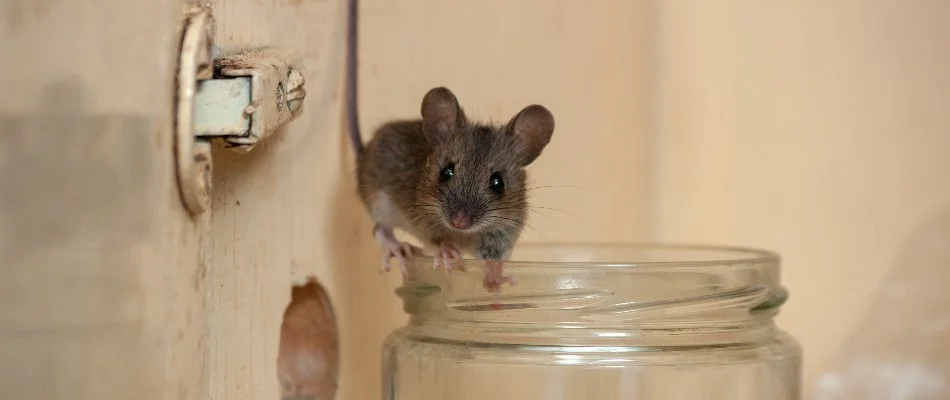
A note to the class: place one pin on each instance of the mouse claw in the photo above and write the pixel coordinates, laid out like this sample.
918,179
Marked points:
493,283
401,251
446,257
384,266
494,277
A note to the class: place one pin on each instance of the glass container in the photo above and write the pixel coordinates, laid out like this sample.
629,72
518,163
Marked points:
596,322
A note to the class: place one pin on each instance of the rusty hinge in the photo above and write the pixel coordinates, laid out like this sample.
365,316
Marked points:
241,99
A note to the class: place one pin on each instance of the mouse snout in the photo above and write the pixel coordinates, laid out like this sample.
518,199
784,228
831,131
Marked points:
461,220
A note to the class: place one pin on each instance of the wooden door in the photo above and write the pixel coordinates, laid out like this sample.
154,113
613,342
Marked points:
102,272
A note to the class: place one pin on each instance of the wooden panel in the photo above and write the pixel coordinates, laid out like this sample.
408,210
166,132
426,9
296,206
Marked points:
101,280
287,211
817,131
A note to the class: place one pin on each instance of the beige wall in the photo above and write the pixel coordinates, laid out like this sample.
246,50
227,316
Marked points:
819,131
583,60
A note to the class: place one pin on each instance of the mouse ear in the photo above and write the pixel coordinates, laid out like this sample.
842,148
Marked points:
441,113
533,126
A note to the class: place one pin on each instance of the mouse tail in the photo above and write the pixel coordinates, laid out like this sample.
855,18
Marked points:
352,72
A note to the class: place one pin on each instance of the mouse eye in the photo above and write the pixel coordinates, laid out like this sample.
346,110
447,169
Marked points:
496,184
447,173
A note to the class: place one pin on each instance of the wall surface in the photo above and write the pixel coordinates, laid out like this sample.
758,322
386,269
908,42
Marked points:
584,61
818,131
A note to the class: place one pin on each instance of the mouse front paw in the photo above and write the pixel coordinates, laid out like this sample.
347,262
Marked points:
401,251
446,256
494,277
393,247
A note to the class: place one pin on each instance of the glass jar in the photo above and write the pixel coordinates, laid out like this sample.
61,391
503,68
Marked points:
597,322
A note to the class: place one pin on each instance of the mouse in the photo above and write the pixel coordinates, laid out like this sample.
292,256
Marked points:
458,185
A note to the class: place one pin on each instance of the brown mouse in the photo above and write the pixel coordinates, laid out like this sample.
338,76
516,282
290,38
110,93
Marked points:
453,183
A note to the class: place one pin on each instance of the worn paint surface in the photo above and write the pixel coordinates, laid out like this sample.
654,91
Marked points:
101,280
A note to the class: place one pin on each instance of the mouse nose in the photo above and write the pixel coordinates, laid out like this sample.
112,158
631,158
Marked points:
461,220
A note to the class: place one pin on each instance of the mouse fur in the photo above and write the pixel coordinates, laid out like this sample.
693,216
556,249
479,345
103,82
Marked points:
479,208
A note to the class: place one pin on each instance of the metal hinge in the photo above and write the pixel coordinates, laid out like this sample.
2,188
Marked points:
241,99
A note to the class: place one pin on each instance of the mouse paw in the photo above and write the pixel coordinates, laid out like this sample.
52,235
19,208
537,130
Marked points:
494,277
446,256
393,247
401,251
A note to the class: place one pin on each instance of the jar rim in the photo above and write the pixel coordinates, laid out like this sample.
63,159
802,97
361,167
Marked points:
690,255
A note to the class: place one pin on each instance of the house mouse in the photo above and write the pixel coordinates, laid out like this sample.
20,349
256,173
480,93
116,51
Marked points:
455,184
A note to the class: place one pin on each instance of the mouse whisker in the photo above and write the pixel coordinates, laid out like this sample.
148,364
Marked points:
423,205
559,187
548,217
421,211
506,207
555,209
425,222
507,221
512,223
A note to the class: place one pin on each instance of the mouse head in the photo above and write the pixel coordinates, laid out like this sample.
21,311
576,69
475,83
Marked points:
475,175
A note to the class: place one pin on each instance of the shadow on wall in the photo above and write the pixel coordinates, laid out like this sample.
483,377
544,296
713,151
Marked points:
901,350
